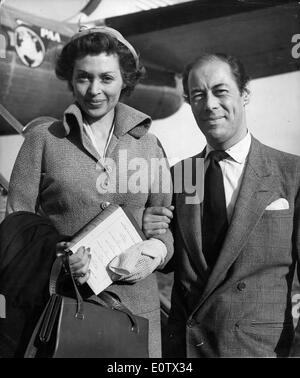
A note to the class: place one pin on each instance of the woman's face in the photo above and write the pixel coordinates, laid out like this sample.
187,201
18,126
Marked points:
97,83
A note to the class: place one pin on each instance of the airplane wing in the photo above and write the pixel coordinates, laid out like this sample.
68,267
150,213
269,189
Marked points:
259,32
10,17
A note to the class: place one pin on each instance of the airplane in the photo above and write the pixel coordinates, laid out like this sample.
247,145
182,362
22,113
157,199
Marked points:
259,32
265,35
29,87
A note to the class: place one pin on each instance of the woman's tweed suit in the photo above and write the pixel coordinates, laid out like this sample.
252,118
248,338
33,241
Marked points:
59,173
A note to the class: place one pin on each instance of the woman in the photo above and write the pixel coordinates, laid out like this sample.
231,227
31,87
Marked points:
69,170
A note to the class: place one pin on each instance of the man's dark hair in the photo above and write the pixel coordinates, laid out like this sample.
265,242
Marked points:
236,66
94,44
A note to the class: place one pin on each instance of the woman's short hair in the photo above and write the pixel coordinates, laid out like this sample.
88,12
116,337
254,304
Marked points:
94,44
236,66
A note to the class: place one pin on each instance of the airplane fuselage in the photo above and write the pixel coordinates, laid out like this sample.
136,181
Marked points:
29,87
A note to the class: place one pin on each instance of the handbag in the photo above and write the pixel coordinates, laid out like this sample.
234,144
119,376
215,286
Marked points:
98,327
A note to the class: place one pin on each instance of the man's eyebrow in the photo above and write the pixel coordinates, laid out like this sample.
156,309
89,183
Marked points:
216,86
220,85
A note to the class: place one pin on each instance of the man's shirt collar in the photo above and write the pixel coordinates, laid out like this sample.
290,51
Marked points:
237,152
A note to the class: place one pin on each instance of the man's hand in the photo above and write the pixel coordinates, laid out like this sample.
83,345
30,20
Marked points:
156,220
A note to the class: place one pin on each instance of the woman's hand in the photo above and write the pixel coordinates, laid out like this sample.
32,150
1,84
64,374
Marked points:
79,265
156,220
62,248
79,261
139,260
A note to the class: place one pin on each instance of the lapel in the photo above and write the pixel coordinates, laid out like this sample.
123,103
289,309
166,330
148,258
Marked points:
127,121
189,217
73,118
256,192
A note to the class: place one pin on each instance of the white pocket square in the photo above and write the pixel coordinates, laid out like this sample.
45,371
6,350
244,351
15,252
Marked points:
279,204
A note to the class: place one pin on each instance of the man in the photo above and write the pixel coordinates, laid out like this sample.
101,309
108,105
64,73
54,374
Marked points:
236,252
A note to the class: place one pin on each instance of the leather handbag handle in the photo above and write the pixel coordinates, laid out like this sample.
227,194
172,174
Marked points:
55,271
114,302
105,298
49,318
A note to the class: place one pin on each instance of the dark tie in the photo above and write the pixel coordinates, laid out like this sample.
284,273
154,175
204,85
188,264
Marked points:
214,220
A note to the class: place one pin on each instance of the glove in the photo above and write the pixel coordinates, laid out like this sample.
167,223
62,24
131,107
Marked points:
139,261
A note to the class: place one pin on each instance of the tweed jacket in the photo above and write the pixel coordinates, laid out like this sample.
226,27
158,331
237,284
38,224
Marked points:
59,173
242,307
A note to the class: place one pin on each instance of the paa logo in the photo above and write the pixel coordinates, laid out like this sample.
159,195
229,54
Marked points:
2,307
29,46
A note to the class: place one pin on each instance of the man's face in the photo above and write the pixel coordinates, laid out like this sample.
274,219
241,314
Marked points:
217,103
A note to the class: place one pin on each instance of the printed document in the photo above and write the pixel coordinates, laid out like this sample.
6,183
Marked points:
107,239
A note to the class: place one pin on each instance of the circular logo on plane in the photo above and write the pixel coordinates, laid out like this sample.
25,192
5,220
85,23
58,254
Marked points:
29,46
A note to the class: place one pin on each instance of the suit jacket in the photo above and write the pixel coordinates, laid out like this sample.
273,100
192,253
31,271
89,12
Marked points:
242,307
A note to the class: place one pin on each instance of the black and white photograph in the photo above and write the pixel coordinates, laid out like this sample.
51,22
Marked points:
149,181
